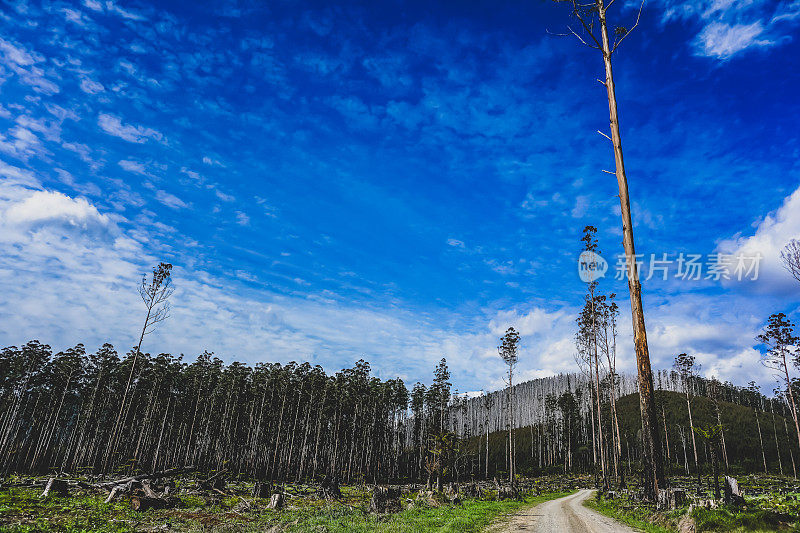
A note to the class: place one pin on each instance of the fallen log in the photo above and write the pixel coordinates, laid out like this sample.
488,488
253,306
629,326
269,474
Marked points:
164,473
144,503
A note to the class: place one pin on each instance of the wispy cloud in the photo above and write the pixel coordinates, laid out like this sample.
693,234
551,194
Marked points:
113,125
729,27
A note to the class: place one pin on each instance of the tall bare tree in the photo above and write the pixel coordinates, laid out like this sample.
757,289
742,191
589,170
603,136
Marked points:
155,295
783,348
508,352
594,33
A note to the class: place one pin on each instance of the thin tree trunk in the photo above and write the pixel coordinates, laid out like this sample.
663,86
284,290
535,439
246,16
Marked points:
653,475
761,441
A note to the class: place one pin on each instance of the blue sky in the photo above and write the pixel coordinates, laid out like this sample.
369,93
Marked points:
394,181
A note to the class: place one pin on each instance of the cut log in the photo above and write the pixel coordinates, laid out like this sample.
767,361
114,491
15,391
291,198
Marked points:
58,487
732,492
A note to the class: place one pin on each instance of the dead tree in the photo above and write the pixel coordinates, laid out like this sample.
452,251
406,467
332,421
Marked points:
592,15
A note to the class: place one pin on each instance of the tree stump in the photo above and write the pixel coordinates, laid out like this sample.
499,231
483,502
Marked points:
56,486
276,501
732,492
330,489
384,499
262,490
678,498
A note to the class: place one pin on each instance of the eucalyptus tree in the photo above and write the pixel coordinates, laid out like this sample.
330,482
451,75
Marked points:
487,400
782,342
714,391
712,435
594,33
686,367
757,405
418,395
155,295
508,351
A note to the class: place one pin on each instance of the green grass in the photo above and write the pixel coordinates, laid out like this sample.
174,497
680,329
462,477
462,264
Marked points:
763,514
749,520
638,517
21,510
472,515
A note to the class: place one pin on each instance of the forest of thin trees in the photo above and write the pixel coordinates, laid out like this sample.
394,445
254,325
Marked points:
294,421
73,411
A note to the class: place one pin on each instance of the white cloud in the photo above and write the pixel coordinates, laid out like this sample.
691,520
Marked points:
581,206
136,134
729,27
21,143
91,87
170,200
455,243
16,176
242,219
94,5
223,196
133,166
722,40
124,13
47,207
24,63
772,233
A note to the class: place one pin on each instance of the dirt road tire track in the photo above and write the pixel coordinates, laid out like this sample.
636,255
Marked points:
564,515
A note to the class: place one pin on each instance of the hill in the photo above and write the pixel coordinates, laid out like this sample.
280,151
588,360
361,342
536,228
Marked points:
543,448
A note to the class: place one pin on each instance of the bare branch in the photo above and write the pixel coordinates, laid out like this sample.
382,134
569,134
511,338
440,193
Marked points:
588,30
556,34
608,172
604,135
581,39
628,32
790,256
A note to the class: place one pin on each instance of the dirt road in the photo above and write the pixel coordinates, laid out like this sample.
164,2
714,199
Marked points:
564,515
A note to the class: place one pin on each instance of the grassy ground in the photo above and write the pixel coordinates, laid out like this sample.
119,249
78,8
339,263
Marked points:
765,513
636,517
21,510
